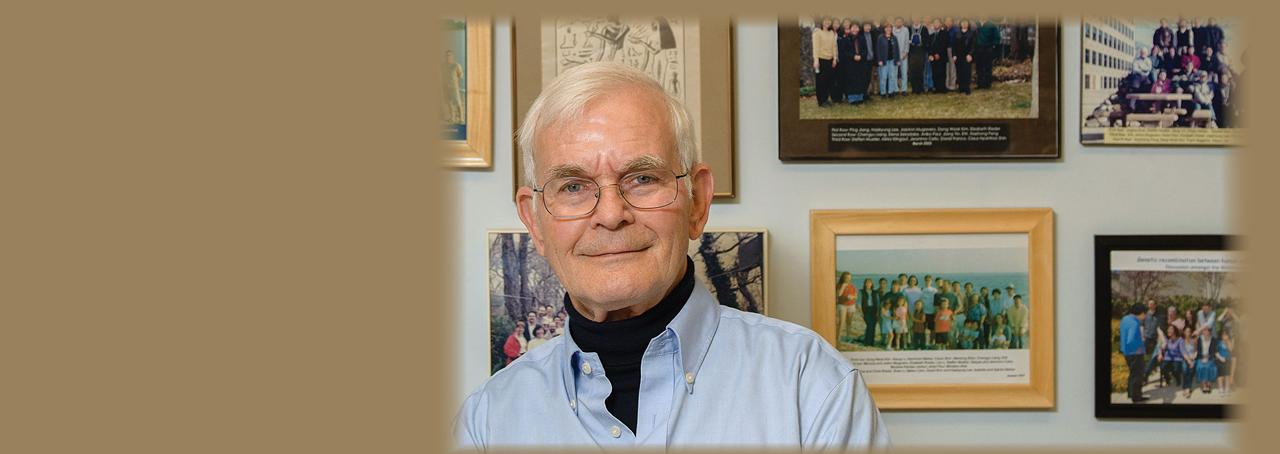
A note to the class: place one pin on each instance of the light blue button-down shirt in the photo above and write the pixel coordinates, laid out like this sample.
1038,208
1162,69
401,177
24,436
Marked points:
715,376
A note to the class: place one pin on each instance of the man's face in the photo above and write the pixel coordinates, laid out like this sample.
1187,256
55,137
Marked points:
448,57
1017,301
982,18
897,23
1151,306
617,256
1204,309
532,318
1164,23
984,291
968,288
1213,22
948,22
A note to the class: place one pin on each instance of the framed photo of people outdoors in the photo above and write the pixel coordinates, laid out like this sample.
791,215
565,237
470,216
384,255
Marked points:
918,87
526,300
691,57
1169,326
466,77
939,309
1161,80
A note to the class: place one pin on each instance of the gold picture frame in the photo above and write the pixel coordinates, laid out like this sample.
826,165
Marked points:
1035,223
711,60
477,150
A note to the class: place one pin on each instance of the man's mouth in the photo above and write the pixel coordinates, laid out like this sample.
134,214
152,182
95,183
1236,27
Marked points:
615,252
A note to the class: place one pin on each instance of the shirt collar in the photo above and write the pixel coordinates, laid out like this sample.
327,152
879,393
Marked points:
694,327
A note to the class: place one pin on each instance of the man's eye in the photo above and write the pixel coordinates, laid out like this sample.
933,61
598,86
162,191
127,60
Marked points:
643,179
572,187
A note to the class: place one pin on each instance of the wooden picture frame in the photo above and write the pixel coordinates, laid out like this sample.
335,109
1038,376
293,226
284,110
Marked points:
477,150
714,64
1037,226
743,262
1113,255
906,129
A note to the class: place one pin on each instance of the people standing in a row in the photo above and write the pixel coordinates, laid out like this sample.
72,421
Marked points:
891,57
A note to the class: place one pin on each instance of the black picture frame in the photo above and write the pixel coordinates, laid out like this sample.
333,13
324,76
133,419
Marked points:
1035,139
1103,246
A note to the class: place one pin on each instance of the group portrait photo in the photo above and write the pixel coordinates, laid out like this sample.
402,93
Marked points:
917,66
1162,80
935,292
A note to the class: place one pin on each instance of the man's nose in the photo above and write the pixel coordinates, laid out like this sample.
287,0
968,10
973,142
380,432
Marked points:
611,209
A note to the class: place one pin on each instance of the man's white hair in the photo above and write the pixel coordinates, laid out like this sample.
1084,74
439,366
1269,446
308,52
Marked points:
564,100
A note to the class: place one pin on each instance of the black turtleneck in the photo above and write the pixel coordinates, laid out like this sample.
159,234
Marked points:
621,344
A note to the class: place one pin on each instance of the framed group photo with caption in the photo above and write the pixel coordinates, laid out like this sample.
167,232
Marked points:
1169,327
939,309
918,87
1161,80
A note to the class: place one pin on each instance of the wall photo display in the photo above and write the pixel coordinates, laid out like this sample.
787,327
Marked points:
690,57
918,87
939,309
524,292
1168,326
1161,81
466,77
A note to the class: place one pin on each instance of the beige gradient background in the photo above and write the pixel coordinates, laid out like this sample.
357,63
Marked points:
221,229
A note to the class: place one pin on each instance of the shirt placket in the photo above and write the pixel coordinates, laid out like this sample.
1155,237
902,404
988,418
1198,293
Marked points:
592,389
659,370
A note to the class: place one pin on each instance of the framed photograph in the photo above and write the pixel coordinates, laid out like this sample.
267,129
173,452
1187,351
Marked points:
1161,80
1168,326
939,309
466,75
919,87
690,56
525,293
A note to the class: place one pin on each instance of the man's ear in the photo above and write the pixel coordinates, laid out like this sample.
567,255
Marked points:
704,187
526,207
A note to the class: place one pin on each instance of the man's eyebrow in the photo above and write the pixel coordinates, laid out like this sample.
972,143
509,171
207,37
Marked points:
565,171
643,163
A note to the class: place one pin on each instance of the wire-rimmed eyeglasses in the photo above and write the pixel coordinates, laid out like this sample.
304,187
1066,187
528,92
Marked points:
572,197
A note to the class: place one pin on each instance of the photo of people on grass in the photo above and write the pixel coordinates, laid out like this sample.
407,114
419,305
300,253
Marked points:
917,66
1175,337
933,292
1143,79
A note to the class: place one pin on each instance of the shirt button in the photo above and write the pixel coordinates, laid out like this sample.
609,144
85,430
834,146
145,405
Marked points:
573,405
615,431
688,378
586,368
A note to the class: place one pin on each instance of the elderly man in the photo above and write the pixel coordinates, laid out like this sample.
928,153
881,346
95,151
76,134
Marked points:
613,194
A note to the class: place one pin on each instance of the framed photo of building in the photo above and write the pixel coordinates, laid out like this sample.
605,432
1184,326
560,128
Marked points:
939,309
1161,80
525,293
918,88
691,57
466,74
1168,328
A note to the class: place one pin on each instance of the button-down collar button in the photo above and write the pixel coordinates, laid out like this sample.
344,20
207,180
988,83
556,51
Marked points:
586,368
572,405
615,431
688,378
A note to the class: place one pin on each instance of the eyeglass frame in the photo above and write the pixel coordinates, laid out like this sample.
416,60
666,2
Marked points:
600,190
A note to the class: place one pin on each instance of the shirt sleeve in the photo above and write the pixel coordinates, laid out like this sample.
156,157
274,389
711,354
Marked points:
469,427
848,420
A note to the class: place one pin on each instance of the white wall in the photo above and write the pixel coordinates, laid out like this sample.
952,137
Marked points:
1093,191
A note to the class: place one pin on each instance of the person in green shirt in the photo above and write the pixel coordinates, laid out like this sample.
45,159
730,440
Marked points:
985,51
